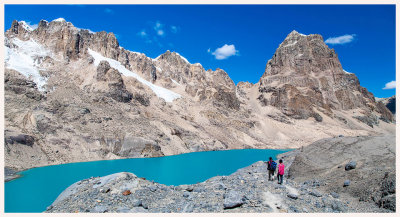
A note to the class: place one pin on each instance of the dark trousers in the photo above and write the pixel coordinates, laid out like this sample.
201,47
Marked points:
280,178
271,174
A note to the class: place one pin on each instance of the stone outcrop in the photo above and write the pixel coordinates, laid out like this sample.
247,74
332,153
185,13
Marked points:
305,75
114,81
363,167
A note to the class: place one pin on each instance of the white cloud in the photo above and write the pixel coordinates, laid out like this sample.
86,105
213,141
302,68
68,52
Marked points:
160,32
159,28
224,52
390,85
174,29
158,25
344,39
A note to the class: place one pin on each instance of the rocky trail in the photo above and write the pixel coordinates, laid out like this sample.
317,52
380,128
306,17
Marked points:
247,190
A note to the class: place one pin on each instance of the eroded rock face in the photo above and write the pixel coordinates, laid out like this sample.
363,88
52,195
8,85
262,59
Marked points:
84,100
113,78
305,75
216,85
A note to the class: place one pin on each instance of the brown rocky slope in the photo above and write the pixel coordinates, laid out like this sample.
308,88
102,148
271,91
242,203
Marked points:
83,97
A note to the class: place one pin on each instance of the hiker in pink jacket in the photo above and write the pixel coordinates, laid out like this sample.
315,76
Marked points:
281,171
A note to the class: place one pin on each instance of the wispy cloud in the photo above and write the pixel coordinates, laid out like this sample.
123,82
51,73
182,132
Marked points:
224,52
156,33
344,39
390,85
174,29
142,33
108,11
159,28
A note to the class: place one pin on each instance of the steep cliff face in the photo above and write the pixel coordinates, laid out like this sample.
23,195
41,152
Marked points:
304,77
199,83
73,43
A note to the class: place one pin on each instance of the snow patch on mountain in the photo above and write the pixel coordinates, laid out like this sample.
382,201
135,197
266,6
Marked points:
347,72
175,81
182,57
161,92
26,26
59,20
25,57
90,31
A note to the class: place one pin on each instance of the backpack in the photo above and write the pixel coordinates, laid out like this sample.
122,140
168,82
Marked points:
272,166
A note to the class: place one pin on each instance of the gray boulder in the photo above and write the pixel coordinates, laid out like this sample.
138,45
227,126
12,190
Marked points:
315,193
99,209
351,165
233,199
346,183
334,195
22,139
338,206
293,196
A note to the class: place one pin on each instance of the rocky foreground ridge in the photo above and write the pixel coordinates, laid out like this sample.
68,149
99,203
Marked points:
74,95
349,174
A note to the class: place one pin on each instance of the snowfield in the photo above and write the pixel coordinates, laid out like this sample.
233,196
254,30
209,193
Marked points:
161,92
25,58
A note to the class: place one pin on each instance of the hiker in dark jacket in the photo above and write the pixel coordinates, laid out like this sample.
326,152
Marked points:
271,169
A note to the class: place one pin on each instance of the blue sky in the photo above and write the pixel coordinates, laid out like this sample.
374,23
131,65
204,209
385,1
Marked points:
246,35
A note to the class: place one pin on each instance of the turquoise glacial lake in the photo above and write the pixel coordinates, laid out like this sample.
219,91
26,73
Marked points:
39,187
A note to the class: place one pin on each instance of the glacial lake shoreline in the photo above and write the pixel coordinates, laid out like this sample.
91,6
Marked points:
188,168
18,172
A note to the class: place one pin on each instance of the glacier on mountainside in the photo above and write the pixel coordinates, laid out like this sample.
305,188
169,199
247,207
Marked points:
25,58
161,92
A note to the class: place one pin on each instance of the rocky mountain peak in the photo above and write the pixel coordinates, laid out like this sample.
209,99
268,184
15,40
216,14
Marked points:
305,75
173,58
